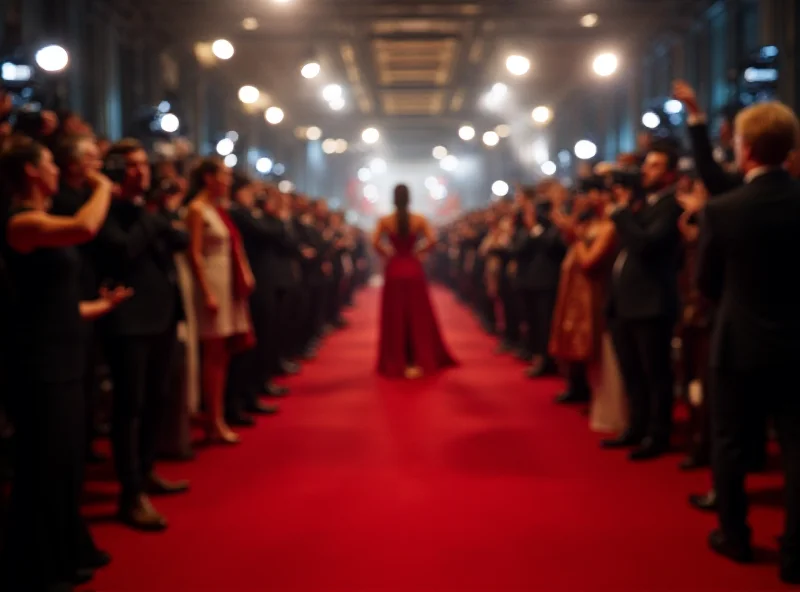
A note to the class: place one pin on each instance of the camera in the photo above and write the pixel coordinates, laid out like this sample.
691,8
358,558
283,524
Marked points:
629,178
593,183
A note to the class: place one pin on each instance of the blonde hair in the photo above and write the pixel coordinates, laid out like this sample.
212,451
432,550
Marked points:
771,131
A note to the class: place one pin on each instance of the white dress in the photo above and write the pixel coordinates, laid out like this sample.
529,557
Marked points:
233,315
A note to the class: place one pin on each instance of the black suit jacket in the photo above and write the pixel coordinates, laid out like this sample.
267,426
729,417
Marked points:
716,179
539,258
136,248
646,286
67,203
748,252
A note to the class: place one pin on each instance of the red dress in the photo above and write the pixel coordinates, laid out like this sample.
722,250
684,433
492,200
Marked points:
409,329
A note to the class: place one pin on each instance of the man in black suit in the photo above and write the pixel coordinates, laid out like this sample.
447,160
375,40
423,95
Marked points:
135,248
747,253
643,304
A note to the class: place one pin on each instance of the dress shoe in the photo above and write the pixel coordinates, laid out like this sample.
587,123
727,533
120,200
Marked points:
569,397
275,390
790,573
738,552
155,485
141,515
97,560
240,420
705,502
524,355
504,348
648,450
310,355
624,440
290,368
692,462
260,408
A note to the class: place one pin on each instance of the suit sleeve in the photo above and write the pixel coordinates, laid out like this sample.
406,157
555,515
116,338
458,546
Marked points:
710,262
714,177
644,240
130,244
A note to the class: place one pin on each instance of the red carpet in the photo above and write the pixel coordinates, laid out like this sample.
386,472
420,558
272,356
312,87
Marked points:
470,481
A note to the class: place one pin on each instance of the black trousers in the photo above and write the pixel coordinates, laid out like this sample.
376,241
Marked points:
90,387
511,312
538,306
644,351
739,404
141,369
47,539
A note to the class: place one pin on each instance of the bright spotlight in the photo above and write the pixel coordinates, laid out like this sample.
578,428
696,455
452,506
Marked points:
439,152
163,106
223,49
673,107
541,115
651,120
337,104
466,132
518,65
274,115
170,123
500,188
224,146
310,70
431,183
364,174
439,192
279,169
378,166
370,135
286,186
231,161
264,165
449,163
605,64
232,136
491,139
250,24
371,193
52,58
341,146
313,133
589,20
329,146
248,94
585,150
499,90
332,92
549,168
503,130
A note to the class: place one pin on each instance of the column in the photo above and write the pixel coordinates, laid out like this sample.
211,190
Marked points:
112,91
779,27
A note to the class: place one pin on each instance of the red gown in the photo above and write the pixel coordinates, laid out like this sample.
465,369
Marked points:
409,329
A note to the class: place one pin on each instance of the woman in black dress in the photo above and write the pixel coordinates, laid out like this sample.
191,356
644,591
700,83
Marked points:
48,546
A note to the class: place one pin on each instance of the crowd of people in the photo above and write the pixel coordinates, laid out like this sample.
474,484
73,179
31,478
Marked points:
661,277
188,288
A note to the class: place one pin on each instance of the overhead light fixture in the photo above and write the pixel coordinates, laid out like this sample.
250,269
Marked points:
52,58
651,120
250,24
274,115
549,168
589,20
371,193
170,123
370,135
264,165
496,95
336,104
278,169
313,133
673,107
541,115
310,70
286,186
431,183
224,146
491,139
249,94
231,161
222,49
341,146
232,136
518,65
378,166
364,174
449,163
439,152
466,132
500,188
605,64
332,92
585,150
329,146
499,89
503,130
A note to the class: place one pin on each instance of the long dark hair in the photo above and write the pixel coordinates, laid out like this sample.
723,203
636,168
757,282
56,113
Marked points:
401,201
197,180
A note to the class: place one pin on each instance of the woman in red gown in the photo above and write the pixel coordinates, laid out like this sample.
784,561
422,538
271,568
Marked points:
410,342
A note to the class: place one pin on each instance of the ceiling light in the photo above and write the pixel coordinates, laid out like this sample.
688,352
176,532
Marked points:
518,65
310,70
313,133
466,132
264,165
605,64
341,146
449,163
491,139
439,192
589,20
248,94
231,161
500,188
170,123
274,115
370,135
439,152
364,174
378,166
371,193
286,186
279,169
541,115
585,150
223,49
232,136
224,146
499,89
540,151
329,146
673,107
549,168
52,58
250,24
503,130
431,183
332,92
651,120
337,104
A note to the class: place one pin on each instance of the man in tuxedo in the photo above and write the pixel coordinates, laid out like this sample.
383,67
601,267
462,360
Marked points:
135,248
643,304
747,253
